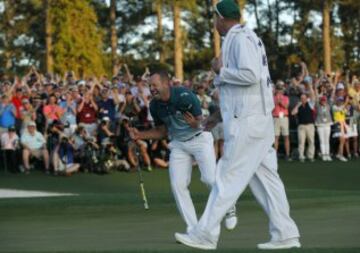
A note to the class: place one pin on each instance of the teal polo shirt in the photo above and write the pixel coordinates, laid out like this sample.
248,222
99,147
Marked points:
170,113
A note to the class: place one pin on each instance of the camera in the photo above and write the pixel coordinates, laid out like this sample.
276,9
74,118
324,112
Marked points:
64,140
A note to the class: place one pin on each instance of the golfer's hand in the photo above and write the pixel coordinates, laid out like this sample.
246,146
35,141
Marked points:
191,120
216,64
134,134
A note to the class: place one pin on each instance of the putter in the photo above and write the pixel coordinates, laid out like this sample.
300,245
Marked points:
141,180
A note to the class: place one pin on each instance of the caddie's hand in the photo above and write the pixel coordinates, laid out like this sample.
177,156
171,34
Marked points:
190,119
134,133
216,64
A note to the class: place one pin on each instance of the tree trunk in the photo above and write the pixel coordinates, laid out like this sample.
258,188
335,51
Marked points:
7,28
178,50
326,36
160,31
277,24
113,37
242,7
257,15
216,37
48,38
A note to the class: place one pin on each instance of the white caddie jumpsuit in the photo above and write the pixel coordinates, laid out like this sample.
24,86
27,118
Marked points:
246,104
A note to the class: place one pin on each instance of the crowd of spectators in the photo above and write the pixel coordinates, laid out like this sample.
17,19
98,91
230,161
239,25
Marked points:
66,124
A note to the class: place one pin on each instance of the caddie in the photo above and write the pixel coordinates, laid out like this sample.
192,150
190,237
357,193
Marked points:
246,104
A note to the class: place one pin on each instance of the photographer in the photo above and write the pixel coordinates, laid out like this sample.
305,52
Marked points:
63,157
85,147
160,153
104,132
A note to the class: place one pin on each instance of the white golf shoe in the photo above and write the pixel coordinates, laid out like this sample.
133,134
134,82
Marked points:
194,242
231,219
286,244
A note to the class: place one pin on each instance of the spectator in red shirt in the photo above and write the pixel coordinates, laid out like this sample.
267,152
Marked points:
87,113
17,102
281,119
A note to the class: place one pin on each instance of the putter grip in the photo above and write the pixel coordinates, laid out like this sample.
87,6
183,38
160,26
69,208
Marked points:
146,205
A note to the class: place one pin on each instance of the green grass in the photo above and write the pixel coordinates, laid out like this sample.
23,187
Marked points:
108,216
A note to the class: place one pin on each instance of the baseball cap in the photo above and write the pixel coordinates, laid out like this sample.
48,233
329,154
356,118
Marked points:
25,101
106,119
11,128
323,99
340,98
340,86
31,123
228,9
308,79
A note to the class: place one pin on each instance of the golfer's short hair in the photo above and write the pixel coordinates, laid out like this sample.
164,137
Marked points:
164,75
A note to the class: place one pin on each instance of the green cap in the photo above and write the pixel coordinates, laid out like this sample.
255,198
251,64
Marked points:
228,9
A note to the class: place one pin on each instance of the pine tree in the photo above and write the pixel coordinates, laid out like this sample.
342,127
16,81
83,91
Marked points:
77,38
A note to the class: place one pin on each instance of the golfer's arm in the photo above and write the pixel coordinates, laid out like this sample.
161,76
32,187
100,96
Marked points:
157,133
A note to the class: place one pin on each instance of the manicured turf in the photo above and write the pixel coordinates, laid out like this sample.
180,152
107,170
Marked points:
108,216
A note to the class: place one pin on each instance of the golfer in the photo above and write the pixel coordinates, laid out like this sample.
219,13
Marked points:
246,104
177,112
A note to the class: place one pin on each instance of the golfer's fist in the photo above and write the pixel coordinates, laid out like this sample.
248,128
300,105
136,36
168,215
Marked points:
191,120
134,133
216,64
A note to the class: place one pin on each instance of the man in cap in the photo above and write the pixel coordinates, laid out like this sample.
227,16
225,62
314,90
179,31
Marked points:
177,112
246,103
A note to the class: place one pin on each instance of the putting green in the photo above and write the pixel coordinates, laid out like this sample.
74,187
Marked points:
108,215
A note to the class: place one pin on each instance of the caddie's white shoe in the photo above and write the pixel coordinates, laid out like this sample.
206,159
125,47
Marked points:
231,219
286,244
194,242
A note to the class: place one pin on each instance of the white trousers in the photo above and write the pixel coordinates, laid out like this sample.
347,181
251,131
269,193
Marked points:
324,132
249,159
182,154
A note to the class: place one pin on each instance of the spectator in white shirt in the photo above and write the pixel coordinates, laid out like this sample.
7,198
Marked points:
34,144
9,147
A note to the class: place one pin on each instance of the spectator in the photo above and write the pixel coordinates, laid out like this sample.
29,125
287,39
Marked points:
63,158
87,113
34,144
354,96
52,111
160,154
281,119
351,130
107,106
205,100
132,107
27,113
306,130
10,147
323,124
17,102
339,115
104,131
7,114
69,114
